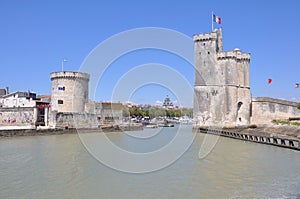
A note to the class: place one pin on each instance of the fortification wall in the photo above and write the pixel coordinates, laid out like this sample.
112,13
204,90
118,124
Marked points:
265,109
76,120
209,106
18,117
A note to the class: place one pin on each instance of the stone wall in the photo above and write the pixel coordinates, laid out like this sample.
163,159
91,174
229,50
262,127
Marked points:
265,109
19,117
75,120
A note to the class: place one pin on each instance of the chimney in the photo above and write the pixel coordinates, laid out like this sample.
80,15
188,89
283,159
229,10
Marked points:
6,90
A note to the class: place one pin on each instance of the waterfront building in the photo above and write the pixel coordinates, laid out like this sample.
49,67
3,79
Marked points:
222,96
18,99
22,110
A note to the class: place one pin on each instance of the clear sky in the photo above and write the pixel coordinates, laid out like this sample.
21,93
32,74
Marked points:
36,35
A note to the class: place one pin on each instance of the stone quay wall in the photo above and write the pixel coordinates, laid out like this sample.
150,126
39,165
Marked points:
75,120
265,109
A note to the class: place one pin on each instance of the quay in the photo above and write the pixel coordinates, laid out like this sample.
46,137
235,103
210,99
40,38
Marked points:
251,135
58,131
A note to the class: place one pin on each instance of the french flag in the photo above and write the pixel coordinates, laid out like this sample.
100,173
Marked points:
217,19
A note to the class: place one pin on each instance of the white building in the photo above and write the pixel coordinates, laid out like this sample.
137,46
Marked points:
18,99
22,110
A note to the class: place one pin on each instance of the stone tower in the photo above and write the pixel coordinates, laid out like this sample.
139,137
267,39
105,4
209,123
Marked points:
69,91
222,95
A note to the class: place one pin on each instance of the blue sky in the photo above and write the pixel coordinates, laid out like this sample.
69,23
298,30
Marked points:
36,35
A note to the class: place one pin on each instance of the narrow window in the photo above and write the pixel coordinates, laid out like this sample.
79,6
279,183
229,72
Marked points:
208,52
61,88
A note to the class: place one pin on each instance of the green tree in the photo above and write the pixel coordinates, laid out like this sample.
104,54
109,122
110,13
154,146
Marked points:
177,113
146,113
187,111
156,112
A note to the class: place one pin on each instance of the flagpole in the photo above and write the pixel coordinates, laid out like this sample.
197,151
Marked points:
62,64
212,21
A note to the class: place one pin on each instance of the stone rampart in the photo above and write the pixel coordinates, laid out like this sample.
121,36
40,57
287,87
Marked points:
265,109
76,120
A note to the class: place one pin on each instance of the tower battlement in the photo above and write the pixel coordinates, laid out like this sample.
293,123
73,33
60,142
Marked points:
234,54
205,37
69,75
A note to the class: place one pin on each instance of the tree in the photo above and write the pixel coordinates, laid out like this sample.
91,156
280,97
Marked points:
156,112
298,105
187,111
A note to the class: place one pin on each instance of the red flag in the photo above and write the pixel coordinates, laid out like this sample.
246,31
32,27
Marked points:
270,81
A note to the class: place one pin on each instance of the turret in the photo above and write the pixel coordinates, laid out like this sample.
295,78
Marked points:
69,91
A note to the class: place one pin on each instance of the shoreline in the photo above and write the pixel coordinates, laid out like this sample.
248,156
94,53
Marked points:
280,136
276,135
60,131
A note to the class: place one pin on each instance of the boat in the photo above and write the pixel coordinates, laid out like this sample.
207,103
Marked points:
151,126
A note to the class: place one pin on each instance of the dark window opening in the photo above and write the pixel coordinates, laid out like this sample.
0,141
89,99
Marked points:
239,105
61,88
208,52
60,102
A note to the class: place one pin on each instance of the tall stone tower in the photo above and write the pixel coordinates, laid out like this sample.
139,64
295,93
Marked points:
69,91
222,95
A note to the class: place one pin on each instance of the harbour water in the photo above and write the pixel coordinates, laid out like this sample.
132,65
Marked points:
59,166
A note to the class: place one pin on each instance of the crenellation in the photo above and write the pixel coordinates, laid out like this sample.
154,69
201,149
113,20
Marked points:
69,75
233,55
205,37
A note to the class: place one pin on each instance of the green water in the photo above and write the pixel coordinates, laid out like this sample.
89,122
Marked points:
59,166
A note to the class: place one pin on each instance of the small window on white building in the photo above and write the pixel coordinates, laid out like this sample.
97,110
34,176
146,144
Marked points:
60,102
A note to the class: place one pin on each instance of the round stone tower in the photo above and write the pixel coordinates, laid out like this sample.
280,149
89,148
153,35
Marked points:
69,91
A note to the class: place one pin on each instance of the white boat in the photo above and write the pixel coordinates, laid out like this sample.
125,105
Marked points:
151,126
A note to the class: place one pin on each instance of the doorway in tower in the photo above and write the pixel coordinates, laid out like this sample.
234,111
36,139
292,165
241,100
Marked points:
239,112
